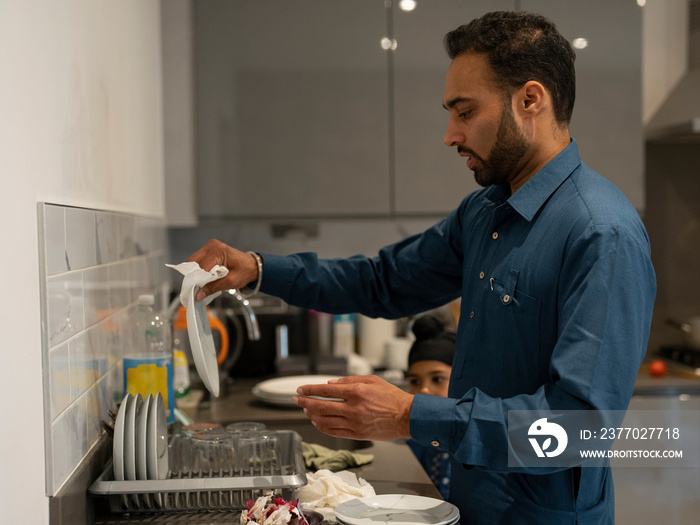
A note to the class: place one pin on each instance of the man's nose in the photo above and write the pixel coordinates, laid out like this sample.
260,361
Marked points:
453,137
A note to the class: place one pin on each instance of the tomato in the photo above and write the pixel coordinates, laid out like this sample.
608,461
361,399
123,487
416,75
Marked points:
657,368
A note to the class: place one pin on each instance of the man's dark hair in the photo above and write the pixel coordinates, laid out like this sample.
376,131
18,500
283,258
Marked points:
520,47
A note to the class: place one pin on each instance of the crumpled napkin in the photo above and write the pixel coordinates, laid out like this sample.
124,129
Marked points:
319,457
326,490
196,277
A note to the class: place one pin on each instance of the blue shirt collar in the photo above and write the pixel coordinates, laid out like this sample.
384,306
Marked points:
534,193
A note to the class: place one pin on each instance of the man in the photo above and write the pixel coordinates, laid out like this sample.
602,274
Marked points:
553,267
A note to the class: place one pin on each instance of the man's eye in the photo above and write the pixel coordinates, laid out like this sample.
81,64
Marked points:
439,379
414,382
465,114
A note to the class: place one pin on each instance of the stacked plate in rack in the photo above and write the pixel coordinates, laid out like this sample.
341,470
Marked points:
140,447
397,509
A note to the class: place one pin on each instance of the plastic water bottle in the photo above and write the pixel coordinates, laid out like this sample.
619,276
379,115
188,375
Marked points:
148,368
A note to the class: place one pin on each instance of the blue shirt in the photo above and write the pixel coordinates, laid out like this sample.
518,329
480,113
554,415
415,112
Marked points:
557,291
436,463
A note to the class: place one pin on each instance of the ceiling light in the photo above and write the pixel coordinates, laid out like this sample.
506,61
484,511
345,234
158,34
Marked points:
388,43
407,5
580,43
641,3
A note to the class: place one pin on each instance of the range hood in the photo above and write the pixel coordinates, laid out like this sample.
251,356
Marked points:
678,119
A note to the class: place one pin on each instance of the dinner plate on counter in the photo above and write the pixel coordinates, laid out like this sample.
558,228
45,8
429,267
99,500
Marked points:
280,390
397,509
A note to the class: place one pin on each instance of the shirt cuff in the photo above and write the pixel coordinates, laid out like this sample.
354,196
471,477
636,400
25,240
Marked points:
432,419
275,279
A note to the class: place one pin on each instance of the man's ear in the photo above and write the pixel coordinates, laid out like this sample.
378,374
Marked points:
532,98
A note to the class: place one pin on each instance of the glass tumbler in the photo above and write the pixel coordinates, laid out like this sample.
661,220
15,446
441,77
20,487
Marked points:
258,454
212,453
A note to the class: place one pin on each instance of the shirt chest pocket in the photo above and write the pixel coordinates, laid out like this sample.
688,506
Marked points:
512,324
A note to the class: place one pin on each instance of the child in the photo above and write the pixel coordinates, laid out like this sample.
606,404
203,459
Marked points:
429,368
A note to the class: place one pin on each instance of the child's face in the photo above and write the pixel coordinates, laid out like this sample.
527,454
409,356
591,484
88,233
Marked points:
429,377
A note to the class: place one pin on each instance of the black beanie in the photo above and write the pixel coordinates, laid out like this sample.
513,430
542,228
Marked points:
433,342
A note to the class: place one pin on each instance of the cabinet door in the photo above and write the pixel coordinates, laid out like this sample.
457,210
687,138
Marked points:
292,111
607,119
430,177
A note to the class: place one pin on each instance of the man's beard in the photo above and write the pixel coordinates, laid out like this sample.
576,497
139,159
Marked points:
507,152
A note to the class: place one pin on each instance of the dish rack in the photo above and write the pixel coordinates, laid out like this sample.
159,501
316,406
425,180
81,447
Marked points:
217,491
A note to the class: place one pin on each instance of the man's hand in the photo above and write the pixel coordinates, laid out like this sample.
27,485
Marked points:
373,408
242,267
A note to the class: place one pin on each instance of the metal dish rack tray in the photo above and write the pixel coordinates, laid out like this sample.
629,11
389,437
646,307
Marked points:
217,491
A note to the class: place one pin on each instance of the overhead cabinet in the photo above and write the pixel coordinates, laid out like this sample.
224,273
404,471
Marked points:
301,112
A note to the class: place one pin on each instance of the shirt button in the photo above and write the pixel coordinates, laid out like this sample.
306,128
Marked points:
482,275
445,481
435,443
471,314
494,235
506,298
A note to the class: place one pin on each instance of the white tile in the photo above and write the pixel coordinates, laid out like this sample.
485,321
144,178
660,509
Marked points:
64,307
69,442
83,365
119,285
127,236
54,233
107,225
59,380
96,286
81,238
94,413
100,339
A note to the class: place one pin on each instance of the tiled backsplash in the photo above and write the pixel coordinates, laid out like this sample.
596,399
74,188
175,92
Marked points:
93,266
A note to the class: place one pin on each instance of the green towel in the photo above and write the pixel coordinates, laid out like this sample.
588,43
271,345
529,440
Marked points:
319,457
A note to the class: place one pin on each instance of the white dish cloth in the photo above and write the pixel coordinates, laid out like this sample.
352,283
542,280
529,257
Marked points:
326,490
195,277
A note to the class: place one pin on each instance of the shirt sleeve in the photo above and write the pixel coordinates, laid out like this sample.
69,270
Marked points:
605,299
418,273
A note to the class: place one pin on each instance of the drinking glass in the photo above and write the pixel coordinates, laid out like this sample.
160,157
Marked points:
258,453
212,453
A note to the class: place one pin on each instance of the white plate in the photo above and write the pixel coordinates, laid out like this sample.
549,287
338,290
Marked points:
141,445
287,386
279,391
130,441
118,443
202,343
157,438
130,437
397,509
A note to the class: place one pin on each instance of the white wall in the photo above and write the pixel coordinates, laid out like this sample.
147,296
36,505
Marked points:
81,124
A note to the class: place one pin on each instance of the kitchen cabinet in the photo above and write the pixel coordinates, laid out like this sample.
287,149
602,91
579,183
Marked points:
607,119
301,113
292,106
430,177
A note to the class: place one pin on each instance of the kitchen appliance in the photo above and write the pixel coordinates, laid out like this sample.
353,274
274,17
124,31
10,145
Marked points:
285,336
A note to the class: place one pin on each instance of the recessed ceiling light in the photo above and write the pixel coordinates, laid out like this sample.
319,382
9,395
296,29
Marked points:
580,43
407,5
388,43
